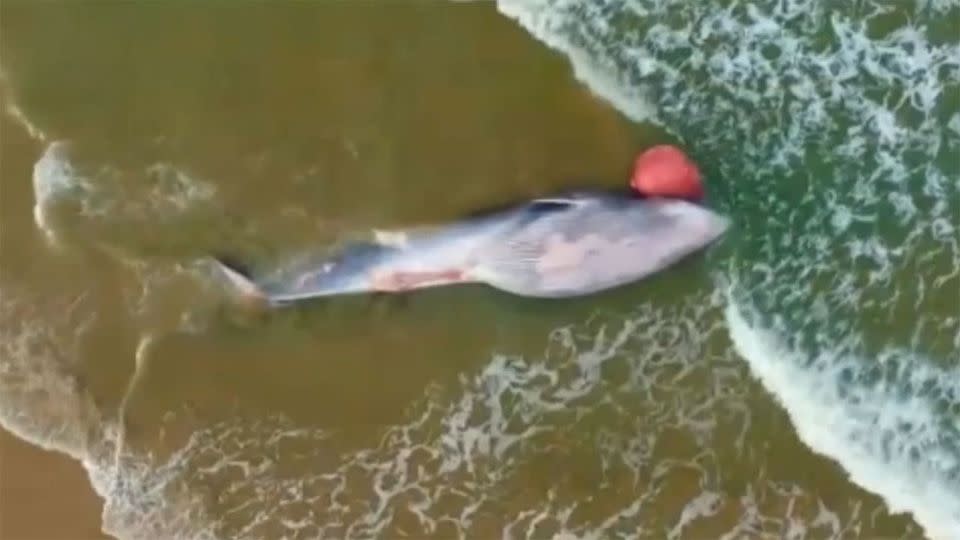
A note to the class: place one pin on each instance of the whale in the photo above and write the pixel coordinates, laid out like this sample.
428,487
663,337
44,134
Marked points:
567,245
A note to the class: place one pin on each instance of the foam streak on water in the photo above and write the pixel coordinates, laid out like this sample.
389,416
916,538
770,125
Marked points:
448,470
67,194
462,453
826,130
13,110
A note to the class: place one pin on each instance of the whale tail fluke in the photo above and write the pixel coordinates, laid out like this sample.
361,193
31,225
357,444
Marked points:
240,278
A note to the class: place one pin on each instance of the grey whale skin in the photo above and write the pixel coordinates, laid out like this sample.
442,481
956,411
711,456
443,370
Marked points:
572,244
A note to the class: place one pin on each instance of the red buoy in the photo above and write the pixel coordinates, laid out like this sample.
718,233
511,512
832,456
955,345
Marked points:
665,171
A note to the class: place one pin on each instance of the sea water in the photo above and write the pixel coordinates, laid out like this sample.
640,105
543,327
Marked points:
798,380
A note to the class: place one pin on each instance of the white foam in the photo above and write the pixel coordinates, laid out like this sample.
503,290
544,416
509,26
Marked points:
603,80
462,450
889,436
15,112
104,195
447,463
44,401
53,178
703,505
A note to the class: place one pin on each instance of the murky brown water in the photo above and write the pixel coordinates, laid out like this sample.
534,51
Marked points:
36,482
266,129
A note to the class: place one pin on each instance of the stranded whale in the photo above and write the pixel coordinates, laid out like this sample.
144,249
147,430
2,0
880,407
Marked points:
570,244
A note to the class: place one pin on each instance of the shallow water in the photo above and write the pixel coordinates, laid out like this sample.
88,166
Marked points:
798,380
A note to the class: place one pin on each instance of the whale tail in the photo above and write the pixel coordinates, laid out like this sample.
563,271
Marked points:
348,273
240,280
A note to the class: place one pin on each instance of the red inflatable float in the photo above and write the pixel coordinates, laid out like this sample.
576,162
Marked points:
665,171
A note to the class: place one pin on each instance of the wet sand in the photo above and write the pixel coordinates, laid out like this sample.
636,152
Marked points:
45,495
